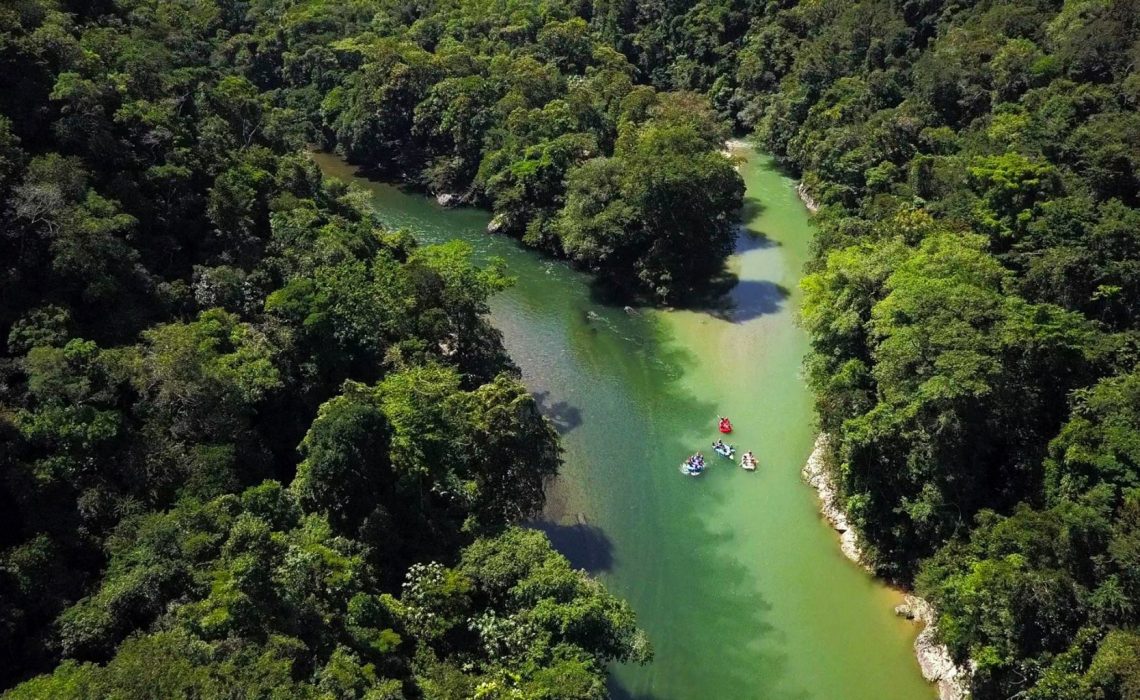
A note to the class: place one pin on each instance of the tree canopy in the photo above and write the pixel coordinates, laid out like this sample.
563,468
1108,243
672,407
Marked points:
971,300
253,443
226,393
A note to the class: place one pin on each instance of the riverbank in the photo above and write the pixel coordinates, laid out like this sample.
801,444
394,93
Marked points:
934,659
733,576
806,197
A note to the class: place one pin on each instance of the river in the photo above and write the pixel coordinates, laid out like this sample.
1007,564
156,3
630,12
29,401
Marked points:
740,585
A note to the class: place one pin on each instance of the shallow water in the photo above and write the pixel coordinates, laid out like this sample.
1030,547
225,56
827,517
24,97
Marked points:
738,582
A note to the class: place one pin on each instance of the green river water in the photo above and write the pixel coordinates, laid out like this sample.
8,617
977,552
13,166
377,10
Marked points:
739,583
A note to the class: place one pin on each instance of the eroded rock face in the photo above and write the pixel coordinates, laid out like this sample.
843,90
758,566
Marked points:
448,199
496,224
806,198
934,659
815,473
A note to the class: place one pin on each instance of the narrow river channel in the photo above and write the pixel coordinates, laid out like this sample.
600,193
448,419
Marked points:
738,582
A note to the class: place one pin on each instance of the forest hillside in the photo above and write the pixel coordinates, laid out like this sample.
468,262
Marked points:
213,390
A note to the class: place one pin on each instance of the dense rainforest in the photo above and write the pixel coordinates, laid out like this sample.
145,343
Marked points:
974,300
525,109
254,445
251,440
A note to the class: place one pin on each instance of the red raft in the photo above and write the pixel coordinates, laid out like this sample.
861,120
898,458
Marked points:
725,425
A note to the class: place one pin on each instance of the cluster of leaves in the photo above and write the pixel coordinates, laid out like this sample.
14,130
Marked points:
249,595
525,108
251,444
974,300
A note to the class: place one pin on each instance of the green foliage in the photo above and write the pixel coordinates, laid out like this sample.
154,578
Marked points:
1100,444
184,303
623,215
246,434
249,593
506,109
971,300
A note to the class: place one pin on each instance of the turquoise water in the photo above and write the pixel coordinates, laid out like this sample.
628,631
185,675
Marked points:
738,582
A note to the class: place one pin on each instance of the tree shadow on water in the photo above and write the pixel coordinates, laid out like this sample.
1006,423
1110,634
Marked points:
726,296
617,691
690,580
696,595
563,415
732,299
586,546
751,299
751,208
729,617
724,637
716,293
737,301
748,240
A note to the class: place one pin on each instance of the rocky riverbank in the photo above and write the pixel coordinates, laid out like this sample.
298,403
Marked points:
815,473
806,198
732,148
933,658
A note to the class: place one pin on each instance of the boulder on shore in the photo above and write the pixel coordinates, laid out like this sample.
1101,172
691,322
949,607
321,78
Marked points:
448,199
497,223
806,198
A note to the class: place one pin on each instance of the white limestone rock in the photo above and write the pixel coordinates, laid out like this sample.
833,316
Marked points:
815,473
806,198
934,659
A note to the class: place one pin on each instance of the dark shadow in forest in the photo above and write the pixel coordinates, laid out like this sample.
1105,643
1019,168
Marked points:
586,546
563,415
